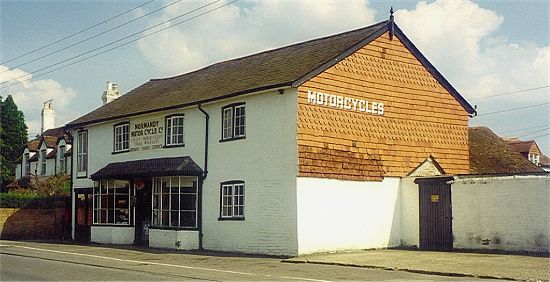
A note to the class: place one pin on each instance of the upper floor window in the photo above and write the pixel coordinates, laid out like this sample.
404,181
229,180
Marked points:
82,152
232,200
43,162
27,164
233,122
174,130
122,140
62,160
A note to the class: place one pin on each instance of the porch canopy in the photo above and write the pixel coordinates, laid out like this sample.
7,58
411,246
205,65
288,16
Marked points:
177,166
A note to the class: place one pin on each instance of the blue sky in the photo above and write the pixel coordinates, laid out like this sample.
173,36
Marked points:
482,47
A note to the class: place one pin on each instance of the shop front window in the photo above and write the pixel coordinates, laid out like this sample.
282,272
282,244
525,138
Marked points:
112,202
175,202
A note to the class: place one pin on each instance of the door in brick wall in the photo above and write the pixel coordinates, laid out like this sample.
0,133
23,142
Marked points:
435,213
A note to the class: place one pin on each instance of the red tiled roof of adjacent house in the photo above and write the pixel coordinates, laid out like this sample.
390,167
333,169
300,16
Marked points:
51,141
33,145
489,154
521,146
52,154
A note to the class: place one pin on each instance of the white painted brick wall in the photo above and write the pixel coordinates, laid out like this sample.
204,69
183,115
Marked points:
506,213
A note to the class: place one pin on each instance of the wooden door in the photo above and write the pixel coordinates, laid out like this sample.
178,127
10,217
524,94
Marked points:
83,215
435,214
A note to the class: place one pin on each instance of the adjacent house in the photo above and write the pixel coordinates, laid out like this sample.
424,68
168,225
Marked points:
490,154
528,149
294,150
46,155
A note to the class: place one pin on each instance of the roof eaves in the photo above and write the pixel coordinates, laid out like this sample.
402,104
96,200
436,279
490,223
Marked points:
70,126
438,76
333,61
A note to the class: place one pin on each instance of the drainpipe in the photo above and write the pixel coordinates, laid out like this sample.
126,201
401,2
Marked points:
205,172
73,200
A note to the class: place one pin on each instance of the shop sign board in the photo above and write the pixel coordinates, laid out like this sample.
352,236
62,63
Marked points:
146,135
345,103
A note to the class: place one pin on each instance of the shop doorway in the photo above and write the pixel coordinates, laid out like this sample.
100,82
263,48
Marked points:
435,213
83,215
142,211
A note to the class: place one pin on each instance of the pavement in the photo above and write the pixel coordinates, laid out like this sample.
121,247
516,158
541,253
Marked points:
460,264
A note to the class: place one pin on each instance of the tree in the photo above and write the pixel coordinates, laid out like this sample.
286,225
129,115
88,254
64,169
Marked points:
13,136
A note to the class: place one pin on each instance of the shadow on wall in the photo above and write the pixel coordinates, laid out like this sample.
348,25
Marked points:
35,223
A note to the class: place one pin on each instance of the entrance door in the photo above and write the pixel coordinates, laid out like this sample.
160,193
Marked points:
83,215
435,214
143,212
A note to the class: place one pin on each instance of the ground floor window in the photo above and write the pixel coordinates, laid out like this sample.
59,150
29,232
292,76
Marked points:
232,200
112,202
175,202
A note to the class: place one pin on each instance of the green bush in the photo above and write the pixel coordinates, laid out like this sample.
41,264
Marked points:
32,200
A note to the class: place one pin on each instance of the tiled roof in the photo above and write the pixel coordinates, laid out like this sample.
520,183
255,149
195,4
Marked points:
52,154
521,146
283,67
33,145
51,141
149,168
489,154
57,132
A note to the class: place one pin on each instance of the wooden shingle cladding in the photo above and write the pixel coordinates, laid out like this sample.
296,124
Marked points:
421,117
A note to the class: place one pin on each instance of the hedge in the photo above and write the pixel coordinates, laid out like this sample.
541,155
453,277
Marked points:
15,200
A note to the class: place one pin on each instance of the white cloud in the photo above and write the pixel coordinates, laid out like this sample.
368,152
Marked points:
456,36
254,26
29,95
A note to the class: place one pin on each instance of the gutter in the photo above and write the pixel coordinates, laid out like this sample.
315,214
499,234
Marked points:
205,172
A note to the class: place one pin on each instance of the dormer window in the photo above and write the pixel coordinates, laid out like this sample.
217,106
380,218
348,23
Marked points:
27,164
534,158
43,162
62,160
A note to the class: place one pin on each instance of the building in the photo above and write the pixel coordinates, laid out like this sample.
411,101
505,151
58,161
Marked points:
528,149
46,155
295,150
490,154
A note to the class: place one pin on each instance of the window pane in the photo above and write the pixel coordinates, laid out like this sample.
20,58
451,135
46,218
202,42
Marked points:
156,218
165,218
174,202
174,221
188,219
188,202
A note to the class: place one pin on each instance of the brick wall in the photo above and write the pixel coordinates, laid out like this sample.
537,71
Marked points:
420,118
33,224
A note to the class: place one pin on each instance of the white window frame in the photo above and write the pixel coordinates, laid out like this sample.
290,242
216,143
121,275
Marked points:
62,159
233,124
111,191
121,137
163,190
232,200
26,158
172,128
43,164
82,153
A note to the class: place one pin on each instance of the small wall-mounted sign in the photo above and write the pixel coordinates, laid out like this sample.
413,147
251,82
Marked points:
435,198
345,103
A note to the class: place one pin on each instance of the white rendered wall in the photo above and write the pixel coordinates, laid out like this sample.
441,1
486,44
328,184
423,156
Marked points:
267,161
117,235
345,215
174,239
410,227
18,169
507,213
